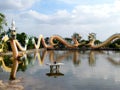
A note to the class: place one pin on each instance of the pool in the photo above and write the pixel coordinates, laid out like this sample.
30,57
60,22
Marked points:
81,70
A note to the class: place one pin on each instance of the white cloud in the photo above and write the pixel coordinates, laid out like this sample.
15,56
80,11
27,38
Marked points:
62,13
116,6
38,16
16,4
70,1
102,19
95,10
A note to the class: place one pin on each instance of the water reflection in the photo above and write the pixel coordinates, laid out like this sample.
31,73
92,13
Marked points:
53,56
14,70
54,70
40,56
76,58
17,64
12,67
4,66
113,61
8,64
92,58
78,66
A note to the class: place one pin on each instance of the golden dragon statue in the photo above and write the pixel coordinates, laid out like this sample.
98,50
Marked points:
52,43
40,40
14,42
92,39
11,36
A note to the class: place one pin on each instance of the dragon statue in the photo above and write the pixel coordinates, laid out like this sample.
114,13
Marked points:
92,39
14,42
11,36
52,43
40,39
63,41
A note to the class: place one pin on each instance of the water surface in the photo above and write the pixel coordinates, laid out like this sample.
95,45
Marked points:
82,70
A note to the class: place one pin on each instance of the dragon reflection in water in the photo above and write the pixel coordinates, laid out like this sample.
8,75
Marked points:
42,55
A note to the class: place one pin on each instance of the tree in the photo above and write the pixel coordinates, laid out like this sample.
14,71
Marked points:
30,44
2,33
2,22
21,38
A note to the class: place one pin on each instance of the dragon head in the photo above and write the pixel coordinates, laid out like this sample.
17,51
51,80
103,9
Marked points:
91,36
11,34
12,31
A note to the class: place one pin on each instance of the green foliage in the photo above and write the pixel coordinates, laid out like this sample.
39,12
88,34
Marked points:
2,22
68,40
30,44
113,44
5,48
21,38
9,46
47,40
25,63
7,60
97,42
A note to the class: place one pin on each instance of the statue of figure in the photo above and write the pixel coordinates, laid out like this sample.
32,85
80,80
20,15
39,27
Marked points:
14,42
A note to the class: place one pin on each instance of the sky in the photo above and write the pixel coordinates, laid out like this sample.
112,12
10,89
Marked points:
63,17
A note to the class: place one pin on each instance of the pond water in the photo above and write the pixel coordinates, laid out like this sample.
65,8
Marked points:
81,70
